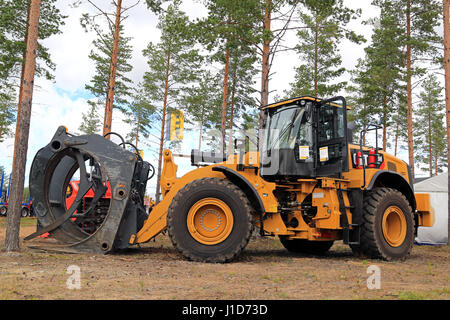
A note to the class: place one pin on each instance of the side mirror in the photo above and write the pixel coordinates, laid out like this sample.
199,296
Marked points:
239,144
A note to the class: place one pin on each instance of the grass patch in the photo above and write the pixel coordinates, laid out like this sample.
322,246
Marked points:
442,293
24,222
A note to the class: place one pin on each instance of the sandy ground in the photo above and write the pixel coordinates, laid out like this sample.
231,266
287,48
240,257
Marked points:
264,271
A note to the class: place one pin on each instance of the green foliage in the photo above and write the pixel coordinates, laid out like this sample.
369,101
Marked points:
378,86
324,23
172,60
202,100
7,110
13,25
430,133
241,82
230,23
101,56
155,5
91,120
425,18
233,28
140,115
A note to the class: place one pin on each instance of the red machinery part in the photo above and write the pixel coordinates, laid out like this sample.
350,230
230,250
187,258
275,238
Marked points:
371,159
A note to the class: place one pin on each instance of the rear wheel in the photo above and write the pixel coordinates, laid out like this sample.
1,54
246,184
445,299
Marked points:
24,212
210,220
306,246
387,229
3,211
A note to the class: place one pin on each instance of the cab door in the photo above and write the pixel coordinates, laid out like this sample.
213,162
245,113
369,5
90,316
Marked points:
331,138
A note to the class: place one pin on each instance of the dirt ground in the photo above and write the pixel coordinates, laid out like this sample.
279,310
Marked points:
264,271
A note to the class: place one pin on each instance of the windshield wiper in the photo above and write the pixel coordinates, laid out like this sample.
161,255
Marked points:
290,125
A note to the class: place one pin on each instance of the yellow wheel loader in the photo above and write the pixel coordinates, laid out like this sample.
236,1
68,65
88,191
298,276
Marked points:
308,184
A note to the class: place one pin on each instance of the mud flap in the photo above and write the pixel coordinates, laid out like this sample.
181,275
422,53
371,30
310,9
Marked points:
425,212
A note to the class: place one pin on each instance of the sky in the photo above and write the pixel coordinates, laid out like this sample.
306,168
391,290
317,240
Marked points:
63,100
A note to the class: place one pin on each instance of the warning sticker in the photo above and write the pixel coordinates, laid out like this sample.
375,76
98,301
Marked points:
323,153
303,152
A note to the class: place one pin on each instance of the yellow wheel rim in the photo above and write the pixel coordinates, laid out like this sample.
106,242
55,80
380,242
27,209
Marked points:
394,226
210,221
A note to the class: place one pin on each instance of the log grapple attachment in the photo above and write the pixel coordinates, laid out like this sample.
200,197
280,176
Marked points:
98,164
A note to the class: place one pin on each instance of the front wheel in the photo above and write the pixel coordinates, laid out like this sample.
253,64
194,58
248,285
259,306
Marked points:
210,220
387,229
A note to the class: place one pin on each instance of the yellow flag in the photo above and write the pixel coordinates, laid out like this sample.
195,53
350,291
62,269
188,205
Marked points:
176,125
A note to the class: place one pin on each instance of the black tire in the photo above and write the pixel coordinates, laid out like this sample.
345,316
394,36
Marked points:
306,246
373,243
242,226
24,212
3,211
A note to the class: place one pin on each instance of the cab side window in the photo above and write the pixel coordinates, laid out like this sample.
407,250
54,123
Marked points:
331,123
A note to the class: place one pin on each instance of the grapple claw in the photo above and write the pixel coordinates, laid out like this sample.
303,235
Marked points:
53,168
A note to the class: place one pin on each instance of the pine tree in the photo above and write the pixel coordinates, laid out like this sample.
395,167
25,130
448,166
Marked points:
90,120
380,80
12,242
271,40
418,19
446,42
324,23
7,111
13,28
202,103
173,64
101,56
430,130
362,99
140,116
114,46
241,96
229,30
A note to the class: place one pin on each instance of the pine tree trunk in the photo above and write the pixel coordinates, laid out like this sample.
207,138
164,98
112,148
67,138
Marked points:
21,81
430,154
161,144
409,87
364,126
396,139
137,126
107,123
225,97
201,129
230,137
12,240
446,5
384,123
316,55
435,164
364,135
265,62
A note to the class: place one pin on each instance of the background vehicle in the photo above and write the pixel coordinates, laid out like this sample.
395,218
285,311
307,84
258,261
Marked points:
308,185
25,211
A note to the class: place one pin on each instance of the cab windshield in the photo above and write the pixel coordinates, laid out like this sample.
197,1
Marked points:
287,127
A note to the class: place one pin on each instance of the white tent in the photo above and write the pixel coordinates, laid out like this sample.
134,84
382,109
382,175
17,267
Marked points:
437,187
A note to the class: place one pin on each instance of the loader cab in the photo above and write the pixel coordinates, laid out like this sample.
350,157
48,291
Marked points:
305,137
